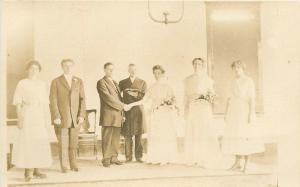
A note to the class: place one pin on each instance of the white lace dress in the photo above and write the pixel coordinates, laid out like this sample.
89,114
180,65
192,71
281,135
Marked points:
161,130
201,143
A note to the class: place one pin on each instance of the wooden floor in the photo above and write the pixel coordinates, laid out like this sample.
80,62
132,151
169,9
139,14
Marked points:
92,173
228,181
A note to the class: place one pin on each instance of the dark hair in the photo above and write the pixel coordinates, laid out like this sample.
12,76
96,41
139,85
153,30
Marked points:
131,65
66,60
195,59
158,67
33,62
238,63
107,64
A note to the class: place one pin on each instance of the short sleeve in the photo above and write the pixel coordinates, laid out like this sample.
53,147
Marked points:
19,94
251,91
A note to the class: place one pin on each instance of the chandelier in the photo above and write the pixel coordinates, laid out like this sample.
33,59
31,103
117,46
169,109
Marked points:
165,14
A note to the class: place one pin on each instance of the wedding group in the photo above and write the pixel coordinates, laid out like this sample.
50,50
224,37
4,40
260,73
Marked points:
123,113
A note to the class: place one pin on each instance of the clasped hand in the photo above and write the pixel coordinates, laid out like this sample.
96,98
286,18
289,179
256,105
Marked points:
127,107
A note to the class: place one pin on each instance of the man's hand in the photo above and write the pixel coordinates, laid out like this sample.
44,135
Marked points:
57,121
127,107
80,120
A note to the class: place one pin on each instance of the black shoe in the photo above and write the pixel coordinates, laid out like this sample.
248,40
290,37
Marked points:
75,169
107,165
117,162
28,179
106,162
39,175
139,160
28,175
64,170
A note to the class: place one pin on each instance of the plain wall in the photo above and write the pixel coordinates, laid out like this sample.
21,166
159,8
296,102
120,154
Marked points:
93,33
281,75
19,39
231,40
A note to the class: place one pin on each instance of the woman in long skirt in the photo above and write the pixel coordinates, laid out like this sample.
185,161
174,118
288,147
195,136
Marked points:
161,131
32,149
240,115
201,143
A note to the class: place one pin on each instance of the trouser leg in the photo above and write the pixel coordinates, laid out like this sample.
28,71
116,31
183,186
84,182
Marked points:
73,139
115,143
106,133
128,147
138,146
62,135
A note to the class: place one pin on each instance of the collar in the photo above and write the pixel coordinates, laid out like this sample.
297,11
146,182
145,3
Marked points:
68,76
132,79
110,79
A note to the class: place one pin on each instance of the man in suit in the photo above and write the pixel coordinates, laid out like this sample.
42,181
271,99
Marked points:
111,116
133,89
67,106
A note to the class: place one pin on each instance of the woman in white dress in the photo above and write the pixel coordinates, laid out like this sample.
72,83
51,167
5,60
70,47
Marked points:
161,132
240,114
32,148
202,147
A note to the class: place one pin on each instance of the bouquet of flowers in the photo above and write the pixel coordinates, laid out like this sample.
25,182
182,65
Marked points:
171,102
209,97
168,101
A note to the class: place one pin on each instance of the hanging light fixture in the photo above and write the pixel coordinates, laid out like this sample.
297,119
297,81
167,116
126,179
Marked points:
165,15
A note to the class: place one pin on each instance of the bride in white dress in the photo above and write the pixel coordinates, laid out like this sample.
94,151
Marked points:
161,132
201,143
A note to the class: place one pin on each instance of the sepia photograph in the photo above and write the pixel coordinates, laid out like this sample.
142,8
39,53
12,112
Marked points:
164,93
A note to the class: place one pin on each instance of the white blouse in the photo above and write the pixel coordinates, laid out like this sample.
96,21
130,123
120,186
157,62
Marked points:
30,92
196,85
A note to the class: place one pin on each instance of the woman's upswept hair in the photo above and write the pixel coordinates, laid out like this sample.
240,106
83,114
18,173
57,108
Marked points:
238,63
197,58
158,67
33,62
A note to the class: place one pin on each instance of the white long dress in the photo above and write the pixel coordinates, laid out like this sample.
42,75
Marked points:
161,132
238,139
201,143
32,148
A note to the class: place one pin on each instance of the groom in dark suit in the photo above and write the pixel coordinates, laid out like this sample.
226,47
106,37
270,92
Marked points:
67,107
133,90
111,116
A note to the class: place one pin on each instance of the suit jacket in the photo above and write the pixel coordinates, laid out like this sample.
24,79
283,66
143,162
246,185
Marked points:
111,109
67,103
135,119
